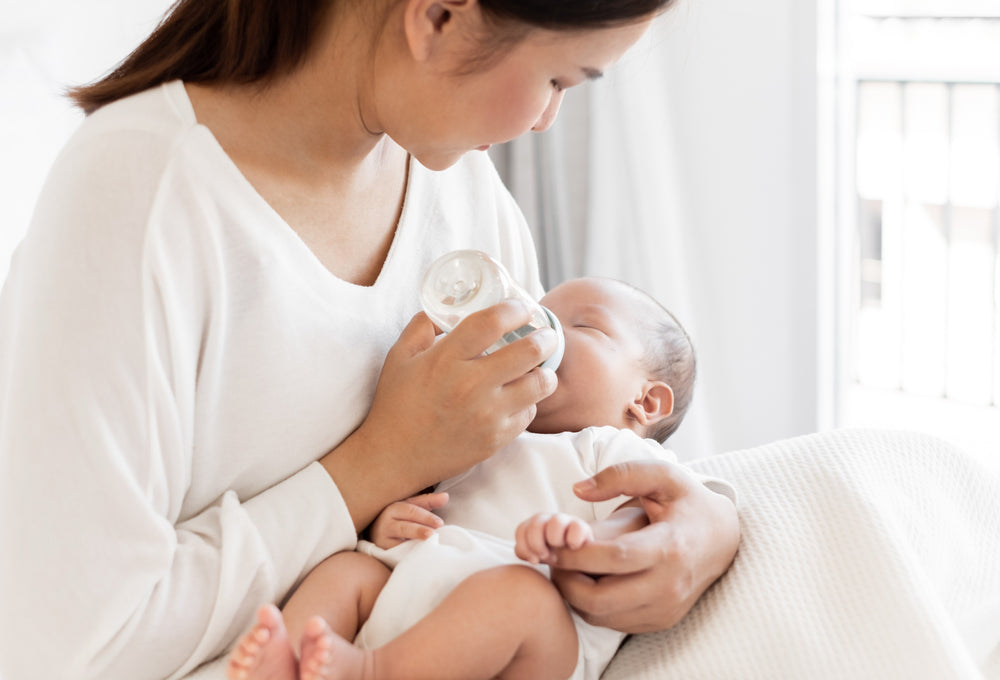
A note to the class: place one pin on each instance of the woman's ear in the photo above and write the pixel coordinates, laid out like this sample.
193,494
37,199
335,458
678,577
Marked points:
654,403
427,22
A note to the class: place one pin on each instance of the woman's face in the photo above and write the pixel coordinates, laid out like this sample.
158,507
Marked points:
450,111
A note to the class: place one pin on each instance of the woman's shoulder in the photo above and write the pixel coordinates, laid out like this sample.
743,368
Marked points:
114,180
123,147
126,153
163,112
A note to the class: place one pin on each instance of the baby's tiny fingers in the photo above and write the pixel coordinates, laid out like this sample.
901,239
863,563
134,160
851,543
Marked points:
429,501
523,552
578,534
408,512
555,530
534,537
417,532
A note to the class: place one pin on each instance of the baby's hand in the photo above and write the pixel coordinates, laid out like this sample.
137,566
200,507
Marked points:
537,534
406,520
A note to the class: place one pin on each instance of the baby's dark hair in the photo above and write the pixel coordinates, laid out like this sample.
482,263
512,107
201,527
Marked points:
669,356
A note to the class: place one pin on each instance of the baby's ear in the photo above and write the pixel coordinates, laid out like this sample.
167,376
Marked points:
653,404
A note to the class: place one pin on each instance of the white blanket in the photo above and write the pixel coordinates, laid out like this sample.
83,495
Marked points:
864,555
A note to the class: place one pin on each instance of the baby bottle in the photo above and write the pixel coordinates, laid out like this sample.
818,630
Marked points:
465,281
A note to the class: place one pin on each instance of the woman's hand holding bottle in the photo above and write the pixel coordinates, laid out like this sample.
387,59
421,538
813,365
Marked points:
441,406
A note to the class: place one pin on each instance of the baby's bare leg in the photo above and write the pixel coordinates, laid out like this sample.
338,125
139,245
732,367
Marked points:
341,589
508,622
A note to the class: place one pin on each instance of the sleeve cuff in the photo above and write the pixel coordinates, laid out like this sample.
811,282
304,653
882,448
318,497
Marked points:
719,486
303,520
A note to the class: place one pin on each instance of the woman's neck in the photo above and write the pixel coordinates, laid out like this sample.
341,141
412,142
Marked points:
310,122
301,143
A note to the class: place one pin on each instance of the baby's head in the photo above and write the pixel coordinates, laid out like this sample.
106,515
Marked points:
628,363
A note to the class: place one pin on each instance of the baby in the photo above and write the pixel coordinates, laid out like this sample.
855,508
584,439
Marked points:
454,584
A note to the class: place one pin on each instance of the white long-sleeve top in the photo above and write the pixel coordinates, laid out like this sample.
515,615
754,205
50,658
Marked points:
173,361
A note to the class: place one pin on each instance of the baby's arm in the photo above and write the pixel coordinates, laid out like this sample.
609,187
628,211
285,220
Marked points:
407,520
538,534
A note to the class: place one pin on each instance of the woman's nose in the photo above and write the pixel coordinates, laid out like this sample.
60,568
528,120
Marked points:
548,116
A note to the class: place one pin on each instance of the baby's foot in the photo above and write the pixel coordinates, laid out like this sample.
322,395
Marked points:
327,656
265,652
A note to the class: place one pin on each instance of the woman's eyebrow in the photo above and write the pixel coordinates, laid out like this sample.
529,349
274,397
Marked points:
592,73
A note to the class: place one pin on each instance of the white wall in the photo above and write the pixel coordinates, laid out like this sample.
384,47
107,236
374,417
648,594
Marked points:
45,46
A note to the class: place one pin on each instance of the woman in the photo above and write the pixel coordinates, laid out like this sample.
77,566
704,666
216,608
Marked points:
193,414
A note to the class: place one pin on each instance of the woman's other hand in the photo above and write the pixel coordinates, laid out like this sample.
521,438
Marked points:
649,579
441,406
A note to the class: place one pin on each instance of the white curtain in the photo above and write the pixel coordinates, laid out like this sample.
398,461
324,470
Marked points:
602,192
689,171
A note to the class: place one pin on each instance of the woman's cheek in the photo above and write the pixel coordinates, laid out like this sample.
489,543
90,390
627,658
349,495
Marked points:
515,112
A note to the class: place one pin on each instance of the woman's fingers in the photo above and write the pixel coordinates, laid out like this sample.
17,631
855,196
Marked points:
658,481
479,330
441,406
519,397
519,358
630,553
619,602
417,336
650,578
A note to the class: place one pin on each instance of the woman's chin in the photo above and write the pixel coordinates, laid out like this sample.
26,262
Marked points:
440,160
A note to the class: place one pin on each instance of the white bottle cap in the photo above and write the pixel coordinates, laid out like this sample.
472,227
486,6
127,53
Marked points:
557,356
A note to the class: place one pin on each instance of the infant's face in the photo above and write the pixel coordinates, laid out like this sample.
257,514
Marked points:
601,372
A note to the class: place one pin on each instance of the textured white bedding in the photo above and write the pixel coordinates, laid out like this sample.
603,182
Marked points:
865,554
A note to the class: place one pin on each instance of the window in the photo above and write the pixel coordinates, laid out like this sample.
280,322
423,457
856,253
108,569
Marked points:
918,188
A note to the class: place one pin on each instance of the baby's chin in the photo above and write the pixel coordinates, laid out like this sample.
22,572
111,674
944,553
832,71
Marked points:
551,421
541,427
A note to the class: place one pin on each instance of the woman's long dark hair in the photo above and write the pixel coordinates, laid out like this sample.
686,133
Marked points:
246,41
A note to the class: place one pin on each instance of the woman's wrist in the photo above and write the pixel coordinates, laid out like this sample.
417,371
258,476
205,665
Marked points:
368,478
